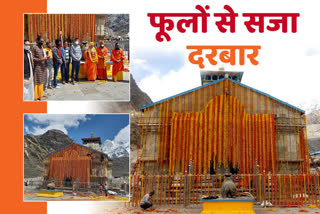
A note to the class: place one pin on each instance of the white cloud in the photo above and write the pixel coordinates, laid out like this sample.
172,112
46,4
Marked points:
313,51
123,137
47,122
159,86
26,129
137,61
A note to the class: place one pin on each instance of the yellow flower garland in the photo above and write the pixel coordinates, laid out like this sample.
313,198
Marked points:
95,59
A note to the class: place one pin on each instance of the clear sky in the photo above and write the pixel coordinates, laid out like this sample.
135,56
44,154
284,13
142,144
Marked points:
77,126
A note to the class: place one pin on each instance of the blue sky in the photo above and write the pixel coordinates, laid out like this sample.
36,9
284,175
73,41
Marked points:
77,126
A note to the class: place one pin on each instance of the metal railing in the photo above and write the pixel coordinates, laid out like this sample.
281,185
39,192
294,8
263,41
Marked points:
282,190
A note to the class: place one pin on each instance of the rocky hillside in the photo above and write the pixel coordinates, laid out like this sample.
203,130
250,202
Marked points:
313,128
118,24
37,146
138,98
120,166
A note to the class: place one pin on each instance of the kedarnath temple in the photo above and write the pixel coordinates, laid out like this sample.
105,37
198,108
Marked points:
220,125
84,163
190,141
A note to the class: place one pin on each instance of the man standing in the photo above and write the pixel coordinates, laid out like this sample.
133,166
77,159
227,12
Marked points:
102,61
28,88
66,62
57,62
76,55
48,83
106,189
40,69
117,57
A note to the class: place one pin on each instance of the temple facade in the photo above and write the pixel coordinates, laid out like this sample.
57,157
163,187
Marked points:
222,125
81,163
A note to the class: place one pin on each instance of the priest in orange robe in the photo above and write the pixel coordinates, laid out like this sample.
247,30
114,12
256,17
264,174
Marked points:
102,61
117,57
90,65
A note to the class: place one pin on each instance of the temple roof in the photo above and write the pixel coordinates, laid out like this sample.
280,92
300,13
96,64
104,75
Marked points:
91,140
220,80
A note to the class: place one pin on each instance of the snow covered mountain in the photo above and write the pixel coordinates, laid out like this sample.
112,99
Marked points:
114,150
310,105
120,152
119,146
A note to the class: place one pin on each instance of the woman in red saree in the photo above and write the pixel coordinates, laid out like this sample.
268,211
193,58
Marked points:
117,57
102,60
90,65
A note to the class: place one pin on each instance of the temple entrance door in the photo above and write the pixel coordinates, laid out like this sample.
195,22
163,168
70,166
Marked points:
67,182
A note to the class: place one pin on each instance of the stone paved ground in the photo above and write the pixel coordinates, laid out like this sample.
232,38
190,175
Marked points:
103,207
111,208
31,195
89,90
122,207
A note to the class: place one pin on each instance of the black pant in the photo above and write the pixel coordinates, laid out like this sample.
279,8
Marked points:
75,67
65,71
145,205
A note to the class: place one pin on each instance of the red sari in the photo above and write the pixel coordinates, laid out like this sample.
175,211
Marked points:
102,52
90,65
117,66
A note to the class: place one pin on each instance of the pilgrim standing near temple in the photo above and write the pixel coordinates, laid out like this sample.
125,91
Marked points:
57,61
76,55
91,58
117,57
66,59
102,52
48,83
28,87
106,189
40,68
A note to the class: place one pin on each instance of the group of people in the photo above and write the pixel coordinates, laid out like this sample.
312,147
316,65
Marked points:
41,63
103,189
96,61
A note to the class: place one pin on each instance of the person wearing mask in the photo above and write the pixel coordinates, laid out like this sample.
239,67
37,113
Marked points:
57,62
117,57
76,55
90,65
40,68
28,87
48,83
66,62
102,61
